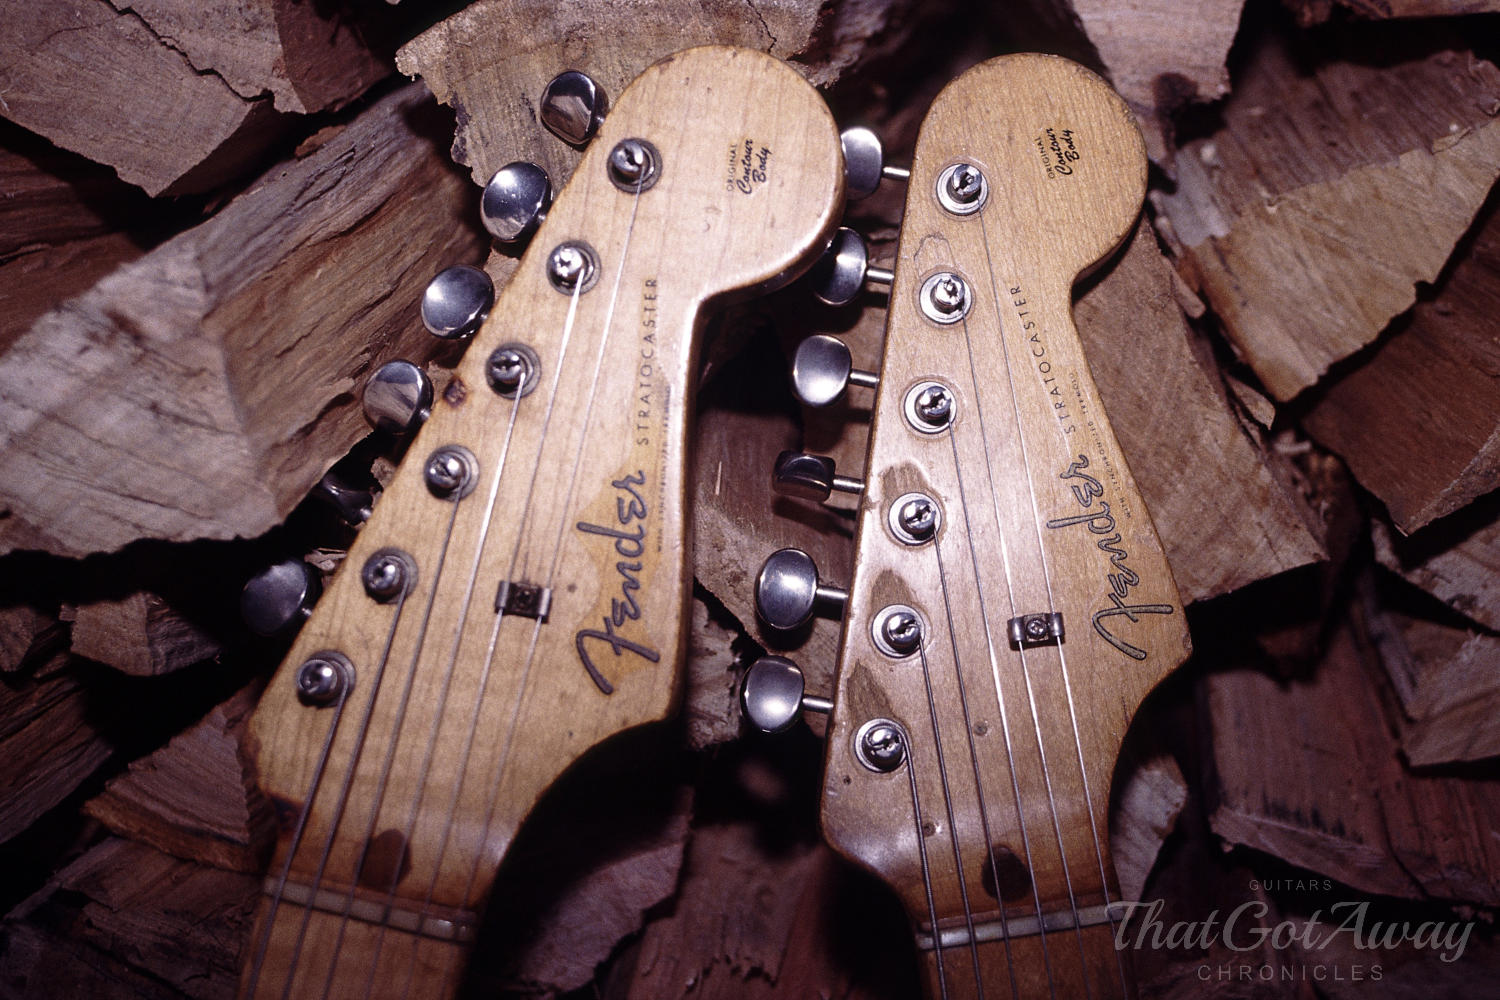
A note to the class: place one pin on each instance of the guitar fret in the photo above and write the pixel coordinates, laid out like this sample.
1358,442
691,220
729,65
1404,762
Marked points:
459,926
1025,926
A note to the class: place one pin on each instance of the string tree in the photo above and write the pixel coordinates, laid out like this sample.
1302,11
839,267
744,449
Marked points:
864,163
573,106
788,591
823,368
773,695
844,270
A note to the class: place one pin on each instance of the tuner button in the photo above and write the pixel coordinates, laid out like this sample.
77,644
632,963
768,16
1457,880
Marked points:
771,694
352,504
844,268
456,301
573,107
822,368
864,163
787,589
810,477
279,597
515,201
397,397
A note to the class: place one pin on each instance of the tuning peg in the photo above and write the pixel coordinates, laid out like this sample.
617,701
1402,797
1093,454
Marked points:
456,301
515,201
864,163
573,107
787,589
810,477
397,397
351,503
279,597
771,695
823,367
844,268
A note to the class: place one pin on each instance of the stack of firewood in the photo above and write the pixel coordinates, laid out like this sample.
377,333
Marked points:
217,222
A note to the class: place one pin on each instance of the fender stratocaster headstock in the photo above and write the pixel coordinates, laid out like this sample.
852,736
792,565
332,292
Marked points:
520,593
1010,605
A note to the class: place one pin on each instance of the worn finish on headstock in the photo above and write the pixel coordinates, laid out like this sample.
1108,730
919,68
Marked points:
1039,515
580,490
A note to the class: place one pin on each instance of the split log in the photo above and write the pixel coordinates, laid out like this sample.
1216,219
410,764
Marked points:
1310,12
1158,60
139,635
50,743
1183,440
195,798
491,70
1457,561
309,57
126,922
711,711
98,81
1309,772
1149,796
28,635
1418,421
1443,674
201,391
1308,218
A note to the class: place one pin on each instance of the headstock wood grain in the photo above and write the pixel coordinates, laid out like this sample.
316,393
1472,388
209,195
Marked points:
401,795
992,824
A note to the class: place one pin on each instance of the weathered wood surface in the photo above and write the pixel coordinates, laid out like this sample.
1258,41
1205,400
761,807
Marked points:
139,635
1308,218
307,56
97,81
1309,771
1418,420
126,922
1456,560
1311,12
195,798
201,390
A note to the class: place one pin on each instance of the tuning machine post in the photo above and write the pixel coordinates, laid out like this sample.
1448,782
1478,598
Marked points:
773,695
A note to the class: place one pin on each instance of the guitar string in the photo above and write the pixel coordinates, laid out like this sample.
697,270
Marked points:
264,941
438,715
364,728
995,664
563,509
916,810
984,819
1061,652
958,859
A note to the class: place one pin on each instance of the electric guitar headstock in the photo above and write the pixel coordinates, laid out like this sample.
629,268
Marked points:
1011,604
520,593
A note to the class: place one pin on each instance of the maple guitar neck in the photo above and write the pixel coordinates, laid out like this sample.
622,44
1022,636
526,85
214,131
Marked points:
972,774
520,593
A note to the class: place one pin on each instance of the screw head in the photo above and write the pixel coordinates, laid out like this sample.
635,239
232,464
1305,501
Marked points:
898,631
388,574
929,407
914,518
572,267
512,370
880,745
450,472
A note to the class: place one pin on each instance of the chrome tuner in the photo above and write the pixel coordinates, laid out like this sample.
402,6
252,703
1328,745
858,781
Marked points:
573,107
822,368
810,477
351,503
864,163
398,397
844,268
772,695
279,597
456,301
787,590
515,201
